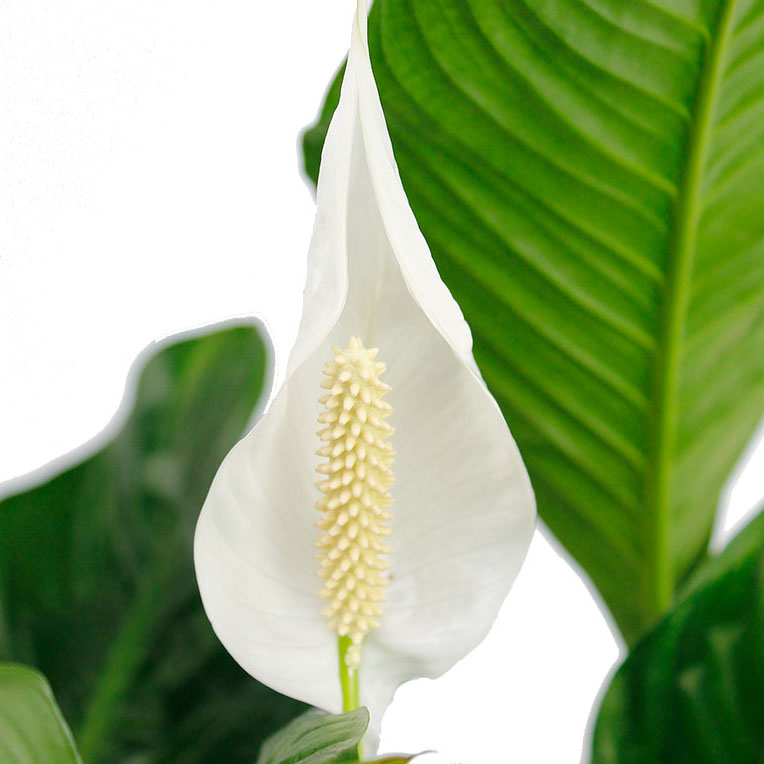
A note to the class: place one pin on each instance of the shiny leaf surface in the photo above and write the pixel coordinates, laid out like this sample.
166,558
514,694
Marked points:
690,692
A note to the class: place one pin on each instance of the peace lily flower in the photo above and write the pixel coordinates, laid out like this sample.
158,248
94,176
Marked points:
406,575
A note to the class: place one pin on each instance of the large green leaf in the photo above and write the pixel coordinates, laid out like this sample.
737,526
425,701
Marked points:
590,177
32,730
97,586
691,691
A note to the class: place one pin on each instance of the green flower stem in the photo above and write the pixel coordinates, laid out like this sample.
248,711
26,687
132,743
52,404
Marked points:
123,661
348,678
348,681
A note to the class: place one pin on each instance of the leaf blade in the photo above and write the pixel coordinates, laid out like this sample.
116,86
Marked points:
690,690
317,738
32,728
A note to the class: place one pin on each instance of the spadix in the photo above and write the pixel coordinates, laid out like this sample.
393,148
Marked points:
355,519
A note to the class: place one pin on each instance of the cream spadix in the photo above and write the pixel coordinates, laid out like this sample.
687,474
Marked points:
355,518
463,511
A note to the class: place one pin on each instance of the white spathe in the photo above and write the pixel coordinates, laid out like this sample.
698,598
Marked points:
463,510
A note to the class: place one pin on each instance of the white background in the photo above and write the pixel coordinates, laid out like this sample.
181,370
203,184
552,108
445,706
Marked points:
149,184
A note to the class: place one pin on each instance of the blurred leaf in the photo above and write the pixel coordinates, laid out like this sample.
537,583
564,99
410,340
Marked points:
317,738
691,691
32,730
588,174
313,140
97,585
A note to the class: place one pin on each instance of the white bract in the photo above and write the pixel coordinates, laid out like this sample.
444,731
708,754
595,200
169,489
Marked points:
462,511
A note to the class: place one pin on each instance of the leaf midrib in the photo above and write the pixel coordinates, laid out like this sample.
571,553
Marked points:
662,435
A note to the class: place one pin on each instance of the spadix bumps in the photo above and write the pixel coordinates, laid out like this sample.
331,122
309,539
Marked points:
354,516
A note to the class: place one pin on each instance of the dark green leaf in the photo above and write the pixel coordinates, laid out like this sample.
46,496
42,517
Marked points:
32,730
313,140
317,738
691,691
588,174
97,585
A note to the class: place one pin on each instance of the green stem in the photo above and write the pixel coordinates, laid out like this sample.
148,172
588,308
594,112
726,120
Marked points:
123,661
348,682
129,648
348,677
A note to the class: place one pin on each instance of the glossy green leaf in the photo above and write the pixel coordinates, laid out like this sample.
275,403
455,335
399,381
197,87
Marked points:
691,691
317,738
32,729
589,175
97,585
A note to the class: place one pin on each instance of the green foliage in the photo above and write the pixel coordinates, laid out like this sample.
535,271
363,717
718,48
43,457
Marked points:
313,140
691,691
317,738
97,586
32,729
588,177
